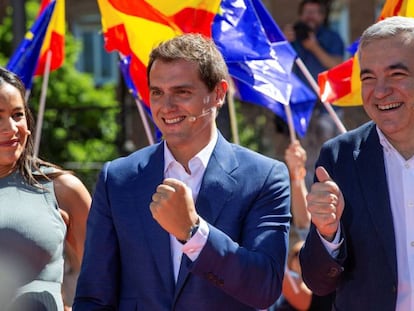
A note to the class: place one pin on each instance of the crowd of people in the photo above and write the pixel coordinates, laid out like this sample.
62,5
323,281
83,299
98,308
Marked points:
195,222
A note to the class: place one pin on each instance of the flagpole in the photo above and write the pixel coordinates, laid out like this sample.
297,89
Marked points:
290,123
144,121
315,87
292,134
232,113
42,103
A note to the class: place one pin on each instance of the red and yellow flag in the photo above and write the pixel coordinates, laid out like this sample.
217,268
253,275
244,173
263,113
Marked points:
54,39
134,28
341,85
397,8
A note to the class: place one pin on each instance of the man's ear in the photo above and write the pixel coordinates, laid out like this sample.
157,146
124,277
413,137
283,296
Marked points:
221,90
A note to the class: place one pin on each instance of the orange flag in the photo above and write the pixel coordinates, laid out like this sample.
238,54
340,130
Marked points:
133,28
341,85
54,39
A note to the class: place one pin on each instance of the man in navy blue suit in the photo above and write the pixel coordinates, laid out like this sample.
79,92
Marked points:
361,242
193,222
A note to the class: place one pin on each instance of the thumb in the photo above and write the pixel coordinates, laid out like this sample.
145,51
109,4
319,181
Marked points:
322,174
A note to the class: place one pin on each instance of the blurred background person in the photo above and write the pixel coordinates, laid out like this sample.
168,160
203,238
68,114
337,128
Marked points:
295,158
295,294
43,211
319,47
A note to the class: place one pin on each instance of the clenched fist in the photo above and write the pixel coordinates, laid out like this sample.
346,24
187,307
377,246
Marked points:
173,208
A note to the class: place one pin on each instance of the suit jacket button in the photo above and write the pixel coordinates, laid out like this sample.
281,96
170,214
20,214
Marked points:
333,272
210,276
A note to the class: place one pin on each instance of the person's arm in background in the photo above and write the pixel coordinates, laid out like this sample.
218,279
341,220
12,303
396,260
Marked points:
295,157
326,59
298,295
74,203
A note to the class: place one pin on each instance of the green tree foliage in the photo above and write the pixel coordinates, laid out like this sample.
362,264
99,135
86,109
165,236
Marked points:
80,125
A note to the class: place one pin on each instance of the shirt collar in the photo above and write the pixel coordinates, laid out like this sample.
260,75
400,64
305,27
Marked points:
384,141
203,155
388,147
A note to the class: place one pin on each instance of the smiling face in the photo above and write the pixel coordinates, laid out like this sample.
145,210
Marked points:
182,106
387,77
13,127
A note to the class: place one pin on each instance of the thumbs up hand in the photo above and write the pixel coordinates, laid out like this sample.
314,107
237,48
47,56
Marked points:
325,204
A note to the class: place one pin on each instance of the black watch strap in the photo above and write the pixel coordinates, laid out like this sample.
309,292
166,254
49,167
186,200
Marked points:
193,231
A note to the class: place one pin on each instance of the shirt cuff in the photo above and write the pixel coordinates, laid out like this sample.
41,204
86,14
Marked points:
194,245
332,247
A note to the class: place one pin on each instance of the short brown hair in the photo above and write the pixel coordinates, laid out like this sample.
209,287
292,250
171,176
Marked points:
196,48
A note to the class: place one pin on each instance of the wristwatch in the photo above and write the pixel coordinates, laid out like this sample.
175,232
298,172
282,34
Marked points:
191,233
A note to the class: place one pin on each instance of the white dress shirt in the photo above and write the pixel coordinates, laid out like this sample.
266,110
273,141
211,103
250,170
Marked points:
197,166
400,179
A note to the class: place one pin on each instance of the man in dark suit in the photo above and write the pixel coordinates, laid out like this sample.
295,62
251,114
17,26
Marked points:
191,223
361,242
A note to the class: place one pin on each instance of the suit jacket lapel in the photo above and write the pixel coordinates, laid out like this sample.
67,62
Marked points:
216,189
218,185
150,175
370,160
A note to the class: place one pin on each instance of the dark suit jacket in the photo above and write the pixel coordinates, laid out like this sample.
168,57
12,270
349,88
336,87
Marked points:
244,197
364,275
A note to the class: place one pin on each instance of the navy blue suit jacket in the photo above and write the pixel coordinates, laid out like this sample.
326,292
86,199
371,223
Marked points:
244,197
364,275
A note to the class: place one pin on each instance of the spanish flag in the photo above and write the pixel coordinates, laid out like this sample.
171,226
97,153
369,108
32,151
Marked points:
134,28
54,40
341,85
397,8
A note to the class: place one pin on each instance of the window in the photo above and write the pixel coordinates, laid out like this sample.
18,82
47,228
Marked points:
339,20
93,57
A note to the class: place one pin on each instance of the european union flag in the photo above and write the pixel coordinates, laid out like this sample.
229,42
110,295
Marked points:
24,60
260,60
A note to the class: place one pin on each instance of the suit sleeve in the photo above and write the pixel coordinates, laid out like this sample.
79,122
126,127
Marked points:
99,274
320,271
251,268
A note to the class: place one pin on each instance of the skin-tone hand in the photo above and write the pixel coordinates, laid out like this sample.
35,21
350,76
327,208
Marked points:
311,43
289,32
325,204
295,157
326,59
173,208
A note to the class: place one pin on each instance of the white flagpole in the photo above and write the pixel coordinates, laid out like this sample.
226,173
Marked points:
144,121
290,123
232,113
315,87
42,103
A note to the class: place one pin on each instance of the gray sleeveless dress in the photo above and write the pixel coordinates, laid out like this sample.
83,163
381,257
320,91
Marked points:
32,235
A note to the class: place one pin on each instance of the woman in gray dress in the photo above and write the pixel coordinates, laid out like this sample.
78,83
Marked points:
43,211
